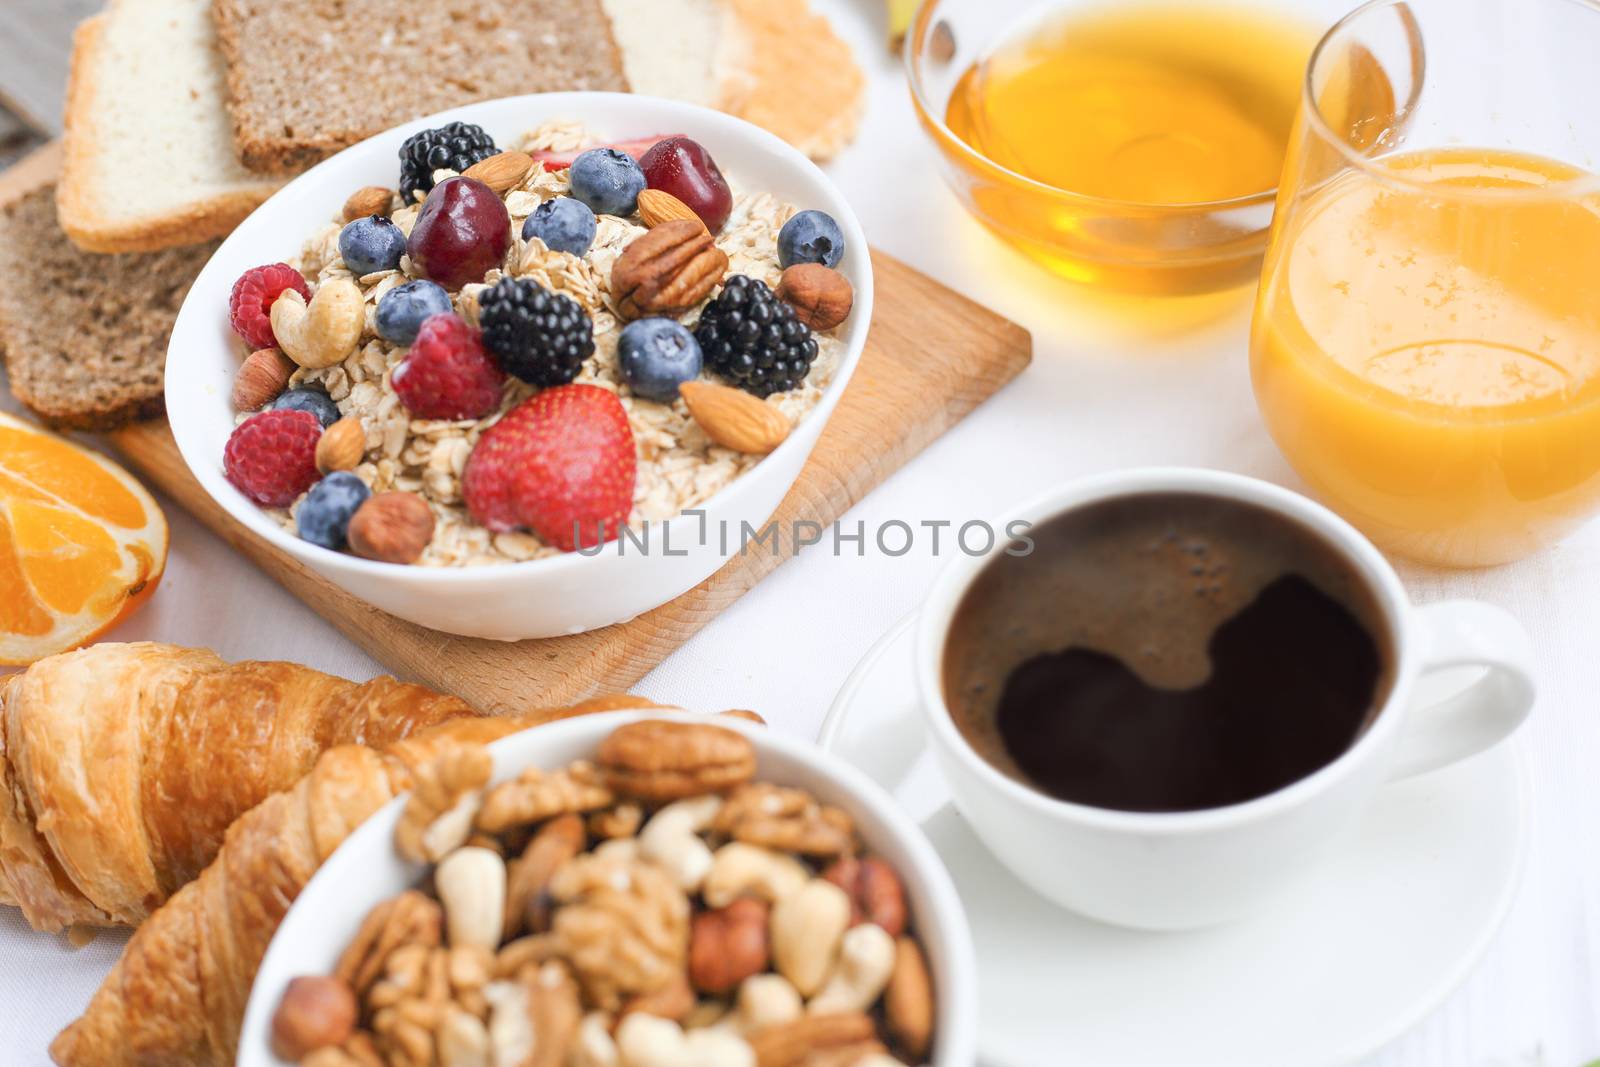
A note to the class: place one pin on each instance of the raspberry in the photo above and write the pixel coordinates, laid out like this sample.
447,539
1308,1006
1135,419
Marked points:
250,305
447,374
272,457
561,463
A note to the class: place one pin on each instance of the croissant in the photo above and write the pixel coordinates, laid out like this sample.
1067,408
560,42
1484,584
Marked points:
121,766
178,994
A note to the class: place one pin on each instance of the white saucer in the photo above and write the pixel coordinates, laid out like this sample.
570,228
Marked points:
1396,920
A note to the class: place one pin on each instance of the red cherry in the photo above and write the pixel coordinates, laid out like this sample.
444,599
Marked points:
684,168
461,233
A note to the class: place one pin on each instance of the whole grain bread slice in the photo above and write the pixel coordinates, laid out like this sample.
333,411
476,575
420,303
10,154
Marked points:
84,336
149,147
308,77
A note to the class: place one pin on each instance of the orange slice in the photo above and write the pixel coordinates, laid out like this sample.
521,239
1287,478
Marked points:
82,544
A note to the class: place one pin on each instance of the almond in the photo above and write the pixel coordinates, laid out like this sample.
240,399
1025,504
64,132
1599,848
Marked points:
371,200
341,446
657,206
503,172
392,528
261,378
735,419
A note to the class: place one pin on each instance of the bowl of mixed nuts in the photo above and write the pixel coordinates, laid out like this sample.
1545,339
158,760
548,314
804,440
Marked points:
528,367
628,889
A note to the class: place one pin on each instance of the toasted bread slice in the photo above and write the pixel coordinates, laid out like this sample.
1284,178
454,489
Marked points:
149,149
84,336
307,78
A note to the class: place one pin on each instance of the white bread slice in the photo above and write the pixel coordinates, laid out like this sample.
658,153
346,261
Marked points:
150,161
746,57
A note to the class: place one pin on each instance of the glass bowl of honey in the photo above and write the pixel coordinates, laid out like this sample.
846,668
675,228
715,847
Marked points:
1134,147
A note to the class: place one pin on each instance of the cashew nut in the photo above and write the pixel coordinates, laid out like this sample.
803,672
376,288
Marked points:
472,887
451,829
767,1000
807,928
646,1041
866,960
671,840
463,1040
619,850
324,332
739,870
594,1046
511,1035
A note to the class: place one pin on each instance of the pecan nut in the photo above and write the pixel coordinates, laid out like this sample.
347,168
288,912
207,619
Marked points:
667,271
657,761
876,893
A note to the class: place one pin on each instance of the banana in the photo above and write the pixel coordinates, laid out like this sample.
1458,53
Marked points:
901,13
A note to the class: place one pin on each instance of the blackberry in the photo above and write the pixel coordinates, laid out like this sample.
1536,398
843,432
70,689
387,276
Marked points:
454,147
753,339
536,335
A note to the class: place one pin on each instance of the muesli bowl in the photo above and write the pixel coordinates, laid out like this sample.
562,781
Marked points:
333,913
552,594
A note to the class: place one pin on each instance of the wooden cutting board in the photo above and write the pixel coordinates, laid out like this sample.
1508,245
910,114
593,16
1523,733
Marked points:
931,357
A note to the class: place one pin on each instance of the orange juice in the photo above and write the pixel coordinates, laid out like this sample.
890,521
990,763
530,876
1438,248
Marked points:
1426,350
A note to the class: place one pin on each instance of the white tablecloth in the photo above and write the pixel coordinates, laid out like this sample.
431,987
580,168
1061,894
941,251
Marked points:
1162,385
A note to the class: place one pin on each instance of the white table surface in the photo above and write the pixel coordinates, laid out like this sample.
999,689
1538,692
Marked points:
1104,392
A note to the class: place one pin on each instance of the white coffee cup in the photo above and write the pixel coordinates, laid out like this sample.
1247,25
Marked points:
1185,870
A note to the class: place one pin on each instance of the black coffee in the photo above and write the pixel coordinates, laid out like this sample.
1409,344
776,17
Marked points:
1166,652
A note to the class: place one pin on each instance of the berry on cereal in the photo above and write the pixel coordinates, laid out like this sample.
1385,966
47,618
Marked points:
656,356
541,337
271,457
403,310
754,340
250,303
561,463
563,223
609,181
454,147
312,399
447,374
810,237
323,517
461,233
371,244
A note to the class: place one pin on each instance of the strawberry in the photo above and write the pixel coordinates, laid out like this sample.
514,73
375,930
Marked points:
553,160
447,374
561,464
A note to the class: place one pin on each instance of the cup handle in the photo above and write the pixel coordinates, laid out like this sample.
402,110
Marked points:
1467,633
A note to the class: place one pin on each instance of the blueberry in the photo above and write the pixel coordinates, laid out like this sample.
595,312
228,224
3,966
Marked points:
313,400
608,181
563,224
371,244
656,356
810,237
325,513
402,310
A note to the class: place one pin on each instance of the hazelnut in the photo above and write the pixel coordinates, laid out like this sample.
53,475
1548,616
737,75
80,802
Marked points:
728,945
315,1012
341,446
371,200
392,528
261,379
876,893
821,297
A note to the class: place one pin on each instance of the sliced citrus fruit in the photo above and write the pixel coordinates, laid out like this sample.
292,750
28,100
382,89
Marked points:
82,544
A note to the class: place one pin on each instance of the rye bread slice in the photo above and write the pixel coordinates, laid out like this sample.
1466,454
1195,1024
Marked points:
84,336
307,77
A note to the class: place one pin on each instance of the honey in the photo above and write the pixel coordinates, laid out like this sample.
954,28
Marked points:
1144,117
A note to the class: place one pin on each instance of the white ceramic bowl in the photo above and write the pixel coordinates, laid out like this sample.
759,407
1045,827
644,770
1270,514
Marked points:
366,870
542,598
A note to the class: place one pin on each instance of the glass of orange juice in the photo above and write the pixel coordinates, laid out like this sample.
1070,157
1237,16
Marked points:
1426,345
